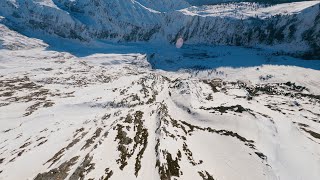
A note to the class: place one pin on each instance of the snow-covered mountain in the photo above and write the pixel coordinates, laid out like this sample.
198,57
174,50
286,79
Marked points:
76,105
113,116
291,28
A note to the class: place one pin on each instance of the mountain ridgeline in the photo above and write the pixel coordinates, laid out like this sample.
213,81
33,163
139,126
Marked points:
292,32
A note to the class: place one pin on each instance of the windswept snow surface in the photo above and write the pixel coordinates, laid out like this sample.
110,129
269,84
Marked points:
138,111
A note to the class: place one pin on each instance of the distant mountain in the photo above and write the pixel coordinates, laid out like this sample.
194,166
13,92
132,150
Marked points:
289,28
211,2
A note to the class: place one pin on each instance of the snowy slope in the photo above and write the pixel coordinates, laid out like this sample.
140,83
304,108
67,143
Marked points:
12,40
115,114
